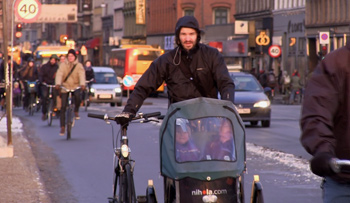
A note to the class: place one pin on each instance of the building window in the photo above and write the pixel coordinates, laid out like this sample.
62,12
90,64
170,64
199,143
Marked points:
188,12
220,15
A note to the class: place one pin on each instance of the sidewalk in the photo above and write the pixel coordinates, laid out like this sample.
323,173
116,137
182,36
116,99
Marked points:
19,175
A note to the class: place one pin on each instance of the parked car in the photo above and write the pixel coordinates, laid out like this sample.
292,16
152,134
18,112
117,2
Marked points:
251,102
105,88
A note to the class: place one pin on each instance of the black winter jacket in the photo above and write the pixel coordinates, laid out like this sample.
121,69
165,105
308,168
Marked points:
325,119
206,63
48,73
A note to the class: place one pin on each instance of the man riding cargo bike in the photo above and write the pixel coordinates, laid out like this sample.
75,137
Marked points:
194,74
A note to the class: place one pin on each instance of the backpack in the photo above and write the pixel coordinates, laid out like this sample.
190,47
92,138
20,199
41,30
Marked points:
271,80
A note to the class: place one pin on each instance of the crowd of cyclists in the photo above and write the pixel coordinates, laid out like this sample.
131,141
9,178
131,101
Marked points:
42,75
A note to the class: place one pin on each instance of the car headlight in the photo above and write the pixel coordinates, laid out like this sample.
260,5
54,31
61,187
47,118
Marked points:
117,90
125,150
92,90
262,104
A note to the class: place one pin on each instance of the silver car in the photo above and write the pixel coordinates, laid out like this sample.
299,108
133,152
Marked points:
105,88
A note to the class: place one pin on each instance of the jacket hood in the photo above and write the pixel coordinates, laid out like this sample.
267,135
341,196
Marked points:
187,21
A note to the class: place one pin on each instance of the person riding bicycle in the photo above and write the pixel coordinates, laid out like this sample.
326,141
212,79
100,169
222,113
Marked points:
190,70
325,122
47,75
71,75
89,75
29,73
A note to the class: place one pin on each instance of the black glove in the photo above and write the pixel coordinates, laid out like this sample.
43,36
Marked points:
124,118
320,164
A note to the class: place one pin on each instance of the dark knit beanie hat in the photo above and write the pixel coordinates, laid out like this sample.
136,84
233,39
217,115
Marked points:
72,51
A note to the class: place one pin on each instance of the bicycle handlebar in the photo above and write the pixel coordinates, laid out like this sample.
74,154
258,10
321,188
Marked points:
138,116
68,90
47,85
336,164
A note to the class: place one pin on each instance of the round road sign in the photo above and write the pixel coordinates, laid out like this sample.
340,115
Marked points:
275,51
128,81
27,11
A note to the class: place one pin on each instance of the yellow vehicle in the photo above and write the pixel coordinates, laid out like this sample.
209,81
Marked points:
43,53
16,54
133,60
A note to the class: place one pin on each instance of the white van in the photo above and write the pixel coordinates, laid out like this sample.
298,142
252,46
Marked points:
105,88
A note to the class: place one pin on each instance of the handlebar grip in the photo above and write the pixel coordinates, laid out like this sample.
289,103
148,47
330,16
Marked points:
91,115
154,114
334,165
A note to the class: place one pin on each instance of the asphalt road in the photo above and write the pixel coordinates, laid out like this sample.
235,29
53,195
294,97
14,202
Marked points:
80,170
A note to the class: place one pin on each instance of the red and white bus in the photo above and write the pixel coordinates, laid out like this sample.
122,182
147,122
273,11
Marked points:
133,60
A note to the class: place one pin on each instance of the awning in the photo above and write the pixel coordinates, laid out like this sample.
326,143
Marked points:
92,43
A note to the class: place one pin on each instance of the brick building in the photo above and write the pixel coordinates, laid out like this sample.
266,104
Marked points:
162,16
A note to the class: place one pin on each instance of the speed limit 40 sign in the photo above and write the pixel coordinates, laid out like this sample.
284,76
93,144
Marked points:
27,11
275,51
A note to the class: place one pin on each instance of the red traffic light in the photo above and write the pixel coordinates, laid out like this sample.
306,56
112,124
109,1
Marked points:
19,27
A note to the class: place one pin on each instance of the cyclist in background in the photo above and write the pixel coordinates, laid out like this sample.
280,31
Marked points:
47,75
70,74
190,70
89,75
62,59
29,73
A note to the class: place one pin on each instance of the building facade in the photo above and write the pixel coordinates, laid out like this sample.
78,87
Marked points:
162,16
328,20
289,34
260,21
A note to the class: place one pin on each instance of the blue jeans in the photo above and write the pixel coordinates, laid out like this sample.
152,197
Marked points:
334,192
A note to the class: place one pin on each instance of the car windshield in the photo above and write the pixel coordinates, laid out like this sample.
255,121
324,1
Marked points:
246,83
105,78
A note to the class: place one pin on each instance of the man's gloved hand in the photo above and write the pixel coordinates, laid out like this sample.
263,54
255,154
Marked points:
83,87
320,164
124,118
57,87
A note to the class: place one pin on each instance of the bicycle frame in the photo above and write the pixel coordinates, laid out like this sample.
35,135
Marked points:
50,103
32,96
87,94
70,119
123,164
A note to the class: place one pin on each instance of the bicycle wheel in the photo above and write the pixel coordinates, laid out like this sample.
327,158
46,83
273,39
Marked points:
130,184
69,118
126,186
49,112
257,194
86,103
31,105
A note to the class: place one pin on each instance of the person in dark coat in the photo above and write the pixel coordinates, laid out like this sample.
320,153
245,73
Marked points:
47,75
325,122
89,75
208,71
28,73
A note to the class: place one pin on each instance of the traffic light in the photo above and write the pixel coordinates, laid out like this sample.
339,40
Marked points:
18,31
19,27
